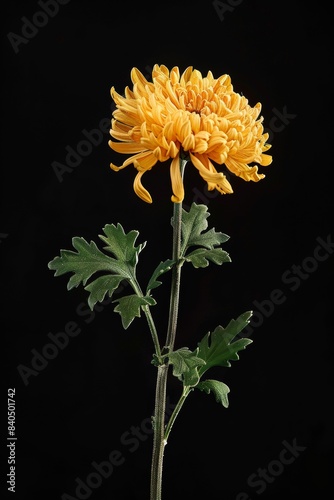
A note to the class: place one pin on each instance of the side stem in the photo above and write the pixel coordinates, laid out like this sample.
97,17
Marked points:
185,393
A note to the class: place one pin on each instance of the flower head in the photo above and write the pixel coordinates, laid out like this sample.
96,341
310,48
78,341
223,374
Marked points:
188,116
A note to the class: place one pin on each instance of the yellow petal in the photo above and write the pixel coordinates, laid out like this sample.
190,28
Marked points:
145,161
177,183
126,147
140,190
243,170
209,173
266,160
189,142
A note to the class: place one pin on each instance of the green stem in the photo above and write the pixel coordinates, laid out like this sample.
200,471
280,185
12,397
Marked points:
185,393
153,331
176,271
136,287
159,441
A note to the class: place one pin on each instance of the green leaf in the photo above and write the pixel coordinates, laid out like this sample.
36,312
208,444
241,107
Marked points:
101,286
217,349
129,307
163,267
88,259
194,223
201,257
84,263
185,365
219,389
121,244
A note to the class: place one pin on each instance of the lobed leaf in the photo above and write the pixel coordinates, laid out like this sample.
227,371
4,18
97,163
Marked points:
101,286
162,268
86,261
194,223
185,365
201,257
217,348
121,244
219,389
129,307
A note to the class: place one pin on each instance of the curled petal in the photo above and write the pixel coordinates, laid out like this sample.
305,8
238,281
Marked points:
244,171
140,190
210,175
189,142
177,182
173,150
144,161
266,160
126,147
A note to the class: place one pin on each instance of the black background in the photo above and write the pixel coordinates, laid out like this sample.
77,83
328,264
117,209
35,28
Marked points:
75,410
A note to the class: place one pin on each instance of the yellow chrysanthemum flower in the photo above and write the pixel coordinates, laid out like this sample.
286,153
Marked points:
192,117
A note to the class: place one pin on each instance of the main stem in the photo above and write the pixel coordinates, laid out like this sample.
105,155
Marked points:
159,441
